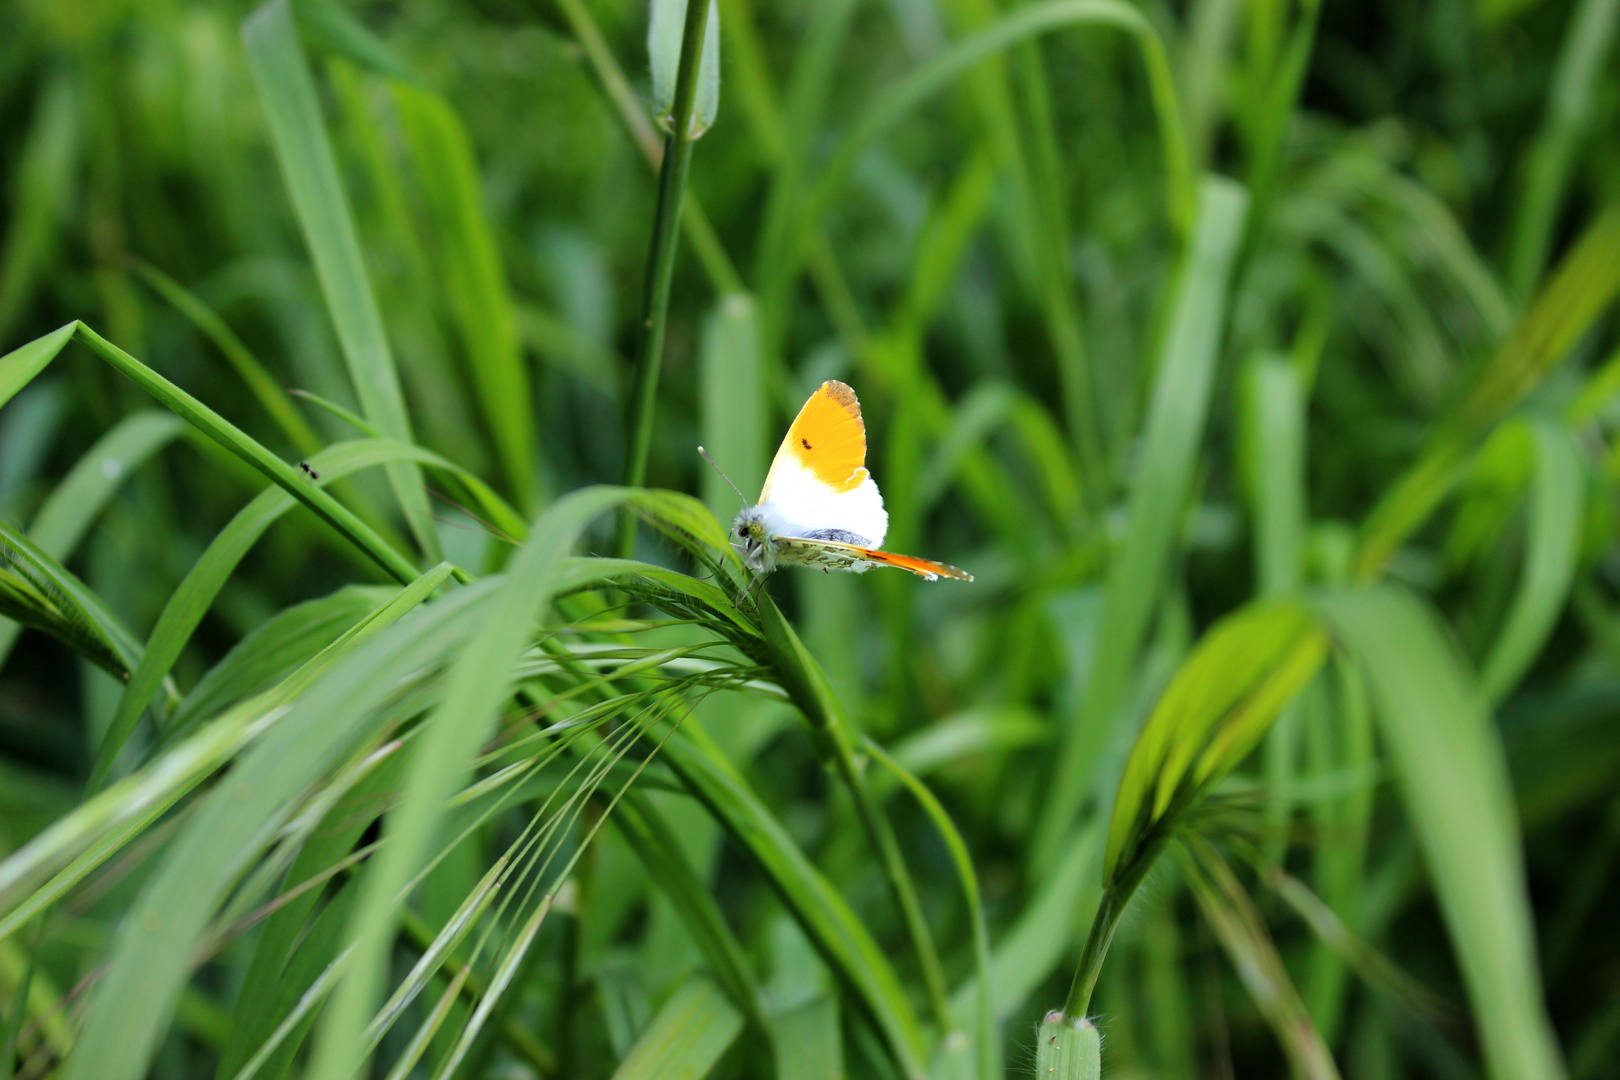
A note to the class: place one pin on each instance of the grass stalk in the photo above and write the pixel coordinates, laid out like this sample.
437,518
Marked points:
661,265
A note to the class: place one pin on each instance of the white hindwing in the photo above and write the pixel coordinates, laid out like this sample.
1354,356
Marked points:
795,503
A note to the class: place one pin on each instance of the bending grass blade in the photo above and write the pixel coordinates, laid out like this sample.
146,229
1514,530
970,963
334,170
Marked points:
474,279
1580,289
687,1036
1572,95
195,595
151,955
61,522
1556,512
19,366
1180,405
660,273
105,823
650,836
292,108
476,685
259,381
827,920
38,591
1454,781
984,1035
1242,933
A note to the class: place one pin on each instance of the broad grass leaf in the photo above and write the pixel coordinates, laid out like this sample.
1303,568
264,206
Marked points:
1453,779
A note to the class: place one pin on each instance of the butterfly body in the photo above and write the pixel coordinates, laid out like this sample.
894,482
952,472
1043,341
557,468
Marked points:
820,506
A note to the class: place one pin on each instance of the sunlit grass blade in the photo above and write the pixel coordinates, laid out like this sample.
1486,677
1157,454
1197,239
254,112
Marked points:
1453,778
287,90
477,684
1183,381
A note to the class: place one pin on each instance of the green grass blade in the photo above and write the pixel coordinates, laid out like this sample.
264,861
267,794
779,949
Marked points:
686,1038
151,955
1584,284
272,651
227,435
1454,781
19,366
287,90
1570,101
260,383
808,1043
40,592
195,595
734,404
907,94
659,849
477,684
474,280
1184,380
61,522
1556,511
44,181
1242,933
838,935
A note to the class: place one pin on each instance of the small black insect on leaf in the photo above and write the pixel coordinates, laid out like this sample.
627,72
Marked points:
313,475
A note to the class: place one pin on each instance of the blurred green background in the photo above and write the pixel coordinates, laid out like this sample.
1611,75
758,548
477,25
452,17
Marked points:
1157,312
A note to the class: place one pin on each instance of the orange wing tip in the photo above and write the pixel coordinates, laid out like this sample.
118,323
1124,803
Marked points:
923,568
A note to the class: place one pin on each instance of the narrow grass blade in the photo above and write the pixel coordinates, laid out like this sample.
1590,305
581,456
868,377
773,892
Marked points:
686,1038
44,181
477,684
1184,380
19,366
61,522
660,851
1454,781
1572,95
40,592
272,651
469,267
1556,511
152,952
1584,284
287,90
1248,945
260,383
195,595
838,935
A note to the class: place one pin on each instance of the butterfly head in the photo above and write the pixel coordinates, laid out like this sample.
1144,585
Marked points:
752,542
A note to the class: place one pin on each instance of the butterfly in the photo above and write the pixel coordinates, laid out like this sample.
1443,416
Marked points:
820,507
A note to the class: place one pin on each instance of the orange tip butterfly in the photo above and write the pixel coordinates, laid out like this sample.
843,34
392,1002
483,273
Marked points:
820,507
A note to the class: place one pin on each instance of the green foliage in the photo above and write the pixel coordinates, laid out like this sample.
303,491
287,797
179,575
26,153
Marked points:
1260,360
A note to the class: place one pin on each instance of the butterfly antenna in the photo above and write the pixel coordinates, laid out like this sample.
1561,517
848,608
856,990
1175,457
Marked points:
724,477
